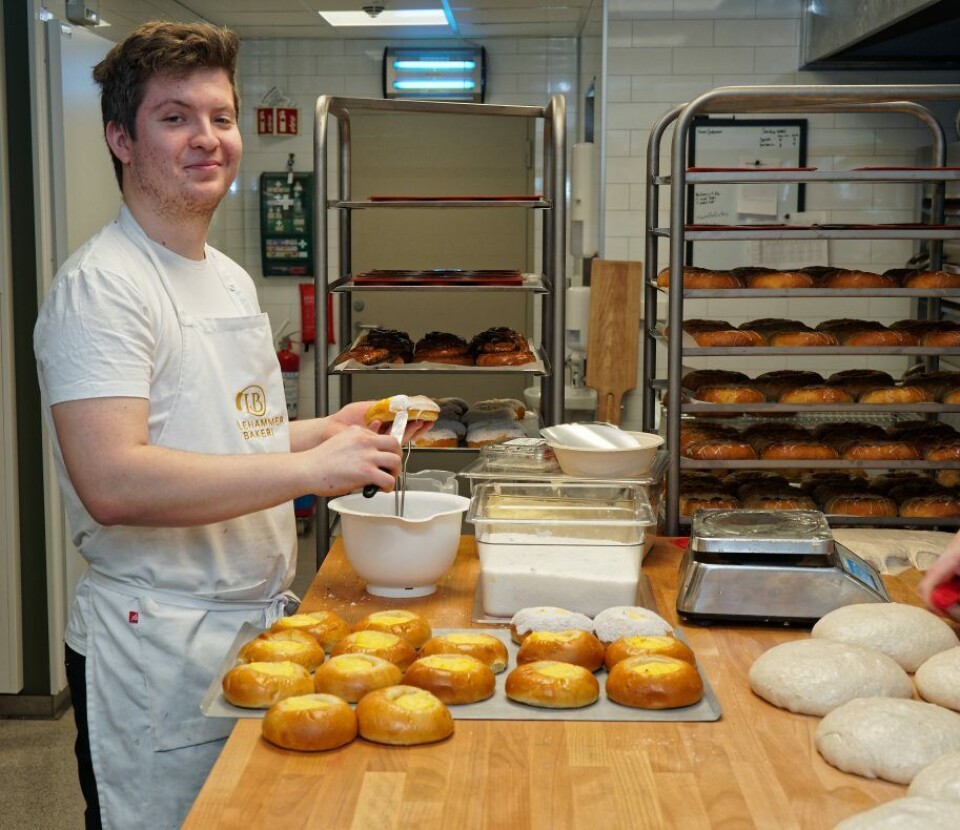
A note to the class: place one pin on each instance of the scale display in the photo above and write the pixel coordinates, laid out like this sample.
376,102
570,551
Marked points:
856,567
286,224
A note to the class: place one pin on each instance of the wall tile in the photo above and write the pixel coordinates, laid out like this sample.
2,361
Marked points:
712,59
673,33
766,33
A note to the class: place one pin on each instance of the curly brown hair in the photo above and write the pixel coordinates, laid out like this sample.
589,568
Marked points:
159,48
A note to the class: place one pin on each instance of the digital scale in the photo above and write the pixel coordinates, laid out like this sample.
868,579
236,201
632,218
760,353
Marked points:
762,566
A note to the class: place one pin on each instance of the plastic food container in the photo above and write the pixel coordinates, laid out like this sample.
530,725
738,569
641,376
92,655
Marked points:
574,545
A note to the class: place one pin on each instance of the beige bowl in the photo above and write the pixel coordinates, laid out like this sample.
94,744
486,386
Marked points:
633,457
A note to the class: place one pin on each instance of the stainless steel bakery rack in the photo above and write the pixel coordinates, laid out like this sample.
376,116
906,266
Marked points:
781,99
549,285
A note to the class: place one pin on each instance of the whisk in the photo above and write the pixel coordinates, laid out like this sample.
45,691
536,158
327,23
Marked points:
400,493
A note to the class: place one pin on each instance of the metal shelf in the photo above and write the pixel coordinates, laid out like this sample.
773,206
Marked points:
931,174
839,520
533,283
438,203
834,232
826,464
830,293
333,126
800,99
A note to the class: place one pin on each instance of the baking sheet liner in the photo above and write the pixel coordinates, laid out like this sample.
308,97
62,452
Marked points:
498,707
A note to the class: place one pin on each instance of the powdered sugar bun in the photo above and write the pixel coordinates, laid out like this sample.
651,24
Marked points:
493,432
547,618
625,620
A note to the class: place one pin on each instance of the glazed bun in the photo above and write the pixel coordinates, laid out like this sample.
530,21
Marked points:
645,645
260,685
709,377
408,625
774,384
403,716
719,449
880,450
547,618
417,407
816,395
939,505
857,381
278,646
860,504
382,644
453,678
895,394
931,279
651,682
552,685
781,279
693,502
325,627
629,620
310,723
351,676
730,393
842,278
701,278
486,648
575,646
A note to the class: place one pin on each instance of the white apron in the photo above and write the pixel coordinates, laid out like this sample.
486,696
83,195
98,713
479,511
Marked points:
152,653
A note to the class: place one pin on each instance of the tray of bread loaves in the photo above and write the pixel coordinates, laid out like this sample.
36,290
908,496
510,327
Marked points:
773,335
813,281
626,664
494,349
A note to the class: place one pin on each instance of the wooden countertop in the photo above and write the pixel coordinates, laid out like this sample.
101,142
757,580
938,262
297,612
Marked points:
756,767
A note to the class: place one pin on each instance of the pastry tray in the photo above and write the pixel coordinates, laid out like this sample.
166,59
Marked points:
498,707
537,366
439,276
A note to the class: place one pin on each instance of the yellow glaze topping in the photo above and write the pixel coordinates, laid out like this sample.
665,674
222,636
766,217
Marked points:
296,620
648,641
352,662
561,671
656,669
450,662
470,639
302,703
390,618
374,639
284,669
285,646
416,702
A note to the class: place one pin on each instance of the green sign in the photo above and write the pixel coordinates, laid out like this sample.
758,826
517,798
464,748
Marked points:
286,224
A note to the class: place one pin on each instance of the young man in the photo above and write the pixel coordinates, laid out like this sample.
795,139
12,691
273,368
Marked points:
163,396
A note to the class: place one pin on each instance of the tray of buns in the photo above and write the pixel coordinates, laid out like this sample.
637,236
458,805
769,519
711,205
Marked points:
497,707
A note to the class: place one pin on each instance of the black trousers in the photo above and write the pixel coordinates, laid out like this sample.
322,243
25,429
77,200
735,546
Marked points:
76,665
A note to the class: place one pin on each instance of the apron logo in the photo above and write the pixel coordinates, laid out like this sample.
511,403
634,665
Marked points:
133,617
252,400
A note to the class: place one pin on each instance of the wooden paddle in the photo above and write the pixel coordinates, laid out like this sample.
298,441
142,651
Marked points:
614,333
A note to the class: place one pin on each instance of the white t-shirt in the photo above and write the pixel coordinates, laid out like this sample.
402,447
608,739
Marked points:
108,328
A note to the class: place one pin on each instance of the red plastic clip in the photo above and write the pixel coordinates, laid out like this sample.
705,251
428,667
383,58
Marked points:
947,595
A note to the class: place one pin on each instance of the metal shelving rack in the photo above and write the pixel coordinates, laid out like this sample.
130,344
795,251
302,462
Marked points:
780,99
549,286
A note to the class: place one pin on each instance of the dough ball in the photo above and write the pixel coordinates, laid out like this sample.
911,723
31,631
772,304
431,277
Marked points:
883,737
912,813
814,677
941,779
907,633
938,679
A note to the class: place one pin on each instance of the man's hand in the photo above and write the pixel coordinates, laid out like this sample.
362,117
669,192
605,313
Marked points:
946,565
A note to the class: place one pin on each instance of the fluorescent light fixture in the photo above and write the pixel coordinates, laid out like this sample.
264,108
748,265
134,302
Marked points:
400,17
455,74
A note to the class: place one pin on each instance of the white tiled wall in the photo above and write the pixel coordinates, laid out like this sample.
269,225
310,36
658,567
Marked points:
664,52
520,71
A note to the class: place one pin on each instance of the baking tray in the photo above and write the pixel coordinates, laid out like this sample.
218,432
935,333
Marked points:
537,366
498,707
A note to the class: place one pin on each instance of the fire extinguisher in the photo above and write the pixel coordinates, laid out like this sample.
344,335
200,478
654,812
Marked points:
290,371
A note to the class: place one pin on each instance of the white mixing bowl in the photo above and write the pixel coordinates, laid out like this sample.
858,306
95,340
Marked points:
602,450
401,556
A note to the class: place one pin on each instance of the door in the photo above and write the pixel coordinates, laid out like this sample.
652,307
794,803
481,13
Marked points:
83,197
430,154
